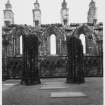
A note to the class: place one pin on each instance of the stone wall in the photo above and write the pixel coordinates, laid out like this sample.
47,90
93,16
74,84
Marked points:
53,66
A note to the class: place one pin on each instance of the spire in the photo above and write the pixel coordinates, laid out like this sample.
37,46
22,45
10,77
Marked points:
92,12
36,1
64,4
92,3
36,14
64,13
36,4
8,11
8,2
8,5
64,1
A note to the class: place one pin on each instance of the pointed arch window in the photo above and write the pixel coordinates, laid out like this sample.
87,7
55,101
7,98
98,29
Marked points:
53,44
82,38
21,45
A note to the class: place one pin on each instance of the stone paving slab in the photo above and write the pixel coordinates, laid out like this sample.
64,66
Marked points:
6,86
9,84
53,85
67,94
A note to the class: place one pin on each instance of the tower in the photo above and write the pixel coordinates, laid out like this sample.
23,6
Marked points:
36,14
8,14
92,13
64,13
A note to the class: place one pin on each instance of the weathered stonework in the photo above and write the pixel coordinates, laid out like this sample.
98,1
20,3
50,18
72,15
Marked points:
93,44
93,33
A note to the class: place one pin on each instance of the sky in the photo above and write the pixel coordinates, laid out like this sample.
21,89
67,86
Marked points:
50,10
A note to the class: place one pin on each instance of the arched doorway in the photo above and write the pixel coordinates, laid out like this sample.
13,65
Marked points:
53,44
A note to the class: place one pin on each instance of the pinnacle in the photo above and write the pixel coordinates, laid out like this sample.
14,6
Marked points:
8,2
36,1
92,1
64,1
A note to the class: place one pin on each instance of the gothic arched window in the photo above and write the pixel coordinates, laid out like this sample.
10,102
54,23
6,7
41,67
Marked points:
82,38
21,45
53,44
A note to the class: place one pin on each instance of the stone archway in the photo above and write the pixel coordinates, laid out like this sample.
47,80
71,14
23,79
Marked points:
90,39
60,39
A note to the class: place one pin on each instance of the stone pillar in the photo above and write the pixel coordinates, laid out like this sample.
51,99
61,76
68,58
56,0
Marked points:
30,73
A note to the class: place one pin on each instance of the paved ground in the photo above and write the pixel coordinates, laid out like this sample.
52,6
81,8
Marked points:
15,94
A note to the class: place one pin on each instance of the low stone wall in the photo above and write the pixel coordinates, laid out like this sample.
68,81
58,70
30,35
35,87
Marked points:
14,67
93,65
52,66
